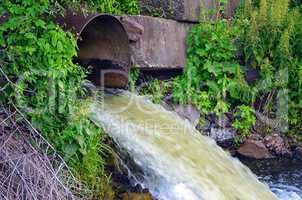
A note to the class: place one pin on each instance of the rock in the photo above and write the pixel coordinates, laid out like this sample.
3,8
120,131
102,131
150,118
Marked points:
252,75
162,43
188,112
292,142
276,124
276,144
224,137
254,149
167,106
223,121
205,127
133,29
256,137
184,10
4,18
137,196
297,153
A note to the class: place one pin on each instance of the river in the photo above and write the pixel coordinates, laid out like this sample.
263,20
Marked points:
175,160
284,177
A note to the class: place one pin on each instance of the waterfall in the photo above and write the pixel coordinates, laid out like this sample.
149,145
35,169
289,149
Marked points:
176,161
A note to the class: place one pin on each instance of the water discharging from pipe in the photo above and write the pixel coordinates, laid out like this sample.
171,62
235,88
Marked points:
177,162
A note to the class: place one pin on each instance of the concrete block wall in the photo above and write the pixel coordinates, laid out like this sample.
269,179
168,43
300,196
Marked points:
161,43
184,10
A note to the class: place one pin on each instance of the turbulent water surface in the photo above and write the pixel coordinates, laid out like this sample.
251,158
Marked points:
177,163
283,176
287,185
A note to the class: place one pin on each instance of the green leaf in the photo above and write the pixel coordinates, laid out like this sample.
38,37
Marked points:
70,150
213,86
40,23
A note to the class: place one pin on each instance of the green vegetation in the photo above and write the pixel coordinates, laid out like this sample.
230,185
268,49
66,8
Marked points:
36,56
270,41
39,77
133,78
156,90
104,6
245,119
212,69
264,39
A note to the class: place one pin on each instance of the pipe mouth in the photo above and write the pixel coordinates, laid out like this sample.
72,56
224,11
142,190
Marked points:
104,48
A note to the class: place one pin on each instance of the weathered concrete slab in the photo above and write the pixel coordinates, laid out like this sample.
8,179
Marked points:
157,42
231,7
184,10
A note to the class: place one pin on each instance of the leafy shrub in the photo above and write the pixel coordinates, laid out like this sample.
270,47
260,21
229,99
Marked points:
156,90
271,42
36,56
133,78
266,37
104,6
212,68
245,120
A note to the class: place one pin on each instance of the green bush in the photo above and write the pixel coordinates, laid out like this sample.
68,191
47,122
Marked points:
266,37
156,90
104,6
37,58
271,42
133,78
212,69
244,120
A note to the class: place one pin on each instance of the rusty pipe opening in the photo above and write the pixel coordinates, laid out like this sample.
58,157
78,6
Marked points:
103,46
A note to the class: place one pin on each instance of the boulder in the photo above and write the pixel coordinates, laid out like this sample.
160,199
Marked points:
223,121
156,42
205,127
188,112
276,145
224,137
297,153
184,10
254,149
256,137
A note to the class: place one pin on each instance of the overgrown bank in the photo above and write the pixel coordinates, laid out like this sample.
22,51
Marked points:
244,68
39,77
234,67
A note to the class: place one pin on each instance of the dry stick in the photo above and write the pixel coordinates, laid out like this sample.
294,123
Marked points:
5,76
7,118
65,188
4,87
14,170
35,135
271,94
11,180
9,137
